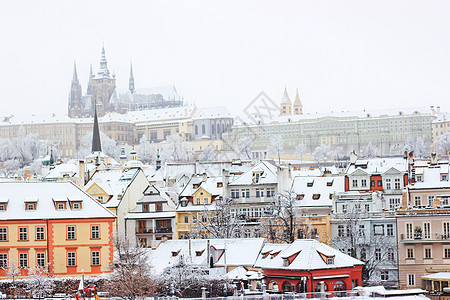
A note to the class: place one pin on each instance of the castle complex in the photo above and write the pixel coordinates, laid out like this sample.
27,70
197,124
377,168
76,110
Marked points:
101,92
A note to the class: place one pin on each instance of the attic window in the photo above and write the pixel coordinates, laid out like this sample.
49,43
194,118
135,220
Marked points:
257,176
310,184
287,260
330,183
331,196
195,185
2,206
219,184
444,177
300,196
419,178
75,205
330,260
265,254
316,196
274,254
175,253
199,252
30,205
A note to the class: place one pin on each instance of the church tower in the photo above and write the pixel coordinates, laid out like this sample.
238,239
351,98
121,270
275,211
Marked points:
75,103
298,106
285,105
89,87
131,81
103,87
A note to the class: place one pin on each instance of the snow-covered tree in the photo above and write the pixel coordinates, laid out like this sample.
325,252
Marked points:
322,153
207,155
109,146
39,282
443,143
300,150
146,150
370,150
275,146
243,147
218,223
417,145
339,153
131,277
373,249
12,272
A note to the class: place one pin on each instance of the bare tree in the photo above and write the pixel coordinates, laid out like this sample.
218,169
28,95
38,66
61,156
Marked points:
443,143
360,242
131,273
207,154
218,222
12,272
40,282
244,147
276,146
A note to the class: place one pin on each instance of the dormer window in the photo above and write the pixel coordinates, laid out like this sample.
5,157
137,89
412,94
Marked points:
444,177
256,177
330,260
419,178
285,262
75,205
310,184
195,185
219,184
330,183
316,196
175,253
2,206
300,196
199,252
145,207
30,206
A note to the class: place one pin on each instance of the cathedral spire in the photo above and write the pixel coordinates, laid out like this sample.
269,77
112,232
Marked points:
131,81
285,98
96,143
89,87
75,75
103,71
298,106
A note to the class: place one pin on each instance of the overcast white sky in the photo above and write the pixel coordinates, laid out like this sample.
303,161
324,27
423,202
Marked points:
341,55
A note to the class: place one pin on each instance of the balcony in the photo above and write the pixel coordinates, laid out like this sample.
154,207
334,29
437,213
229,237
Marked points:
144,230
420,238
156,230
163,230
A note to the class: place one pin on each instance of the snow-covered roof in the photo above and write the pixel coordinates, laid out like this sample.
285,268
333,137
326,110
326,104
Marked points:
311,171
209,184
440,275
241,273
309,255
267,175
195,252
46,193
379,165
112,182
212,113
431,178
443,117
310,188
69,169
167,91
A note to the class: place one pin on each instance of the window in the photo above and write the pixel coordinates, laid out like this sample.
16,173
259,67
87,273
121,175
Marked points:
40,259
372,183
380,182
60,205
341,230
388,183
95,258
344,208
259,193
411,279
23,260
330,260
417,201
409,231
419,178
361,230
427,252
23,233
363,182
384,275
198,201
3,260
355,182
389,229
76,205
377,254
367,207
70,232
394,203
390,254
95,232
316,196
158,207
2,207
71,259
145,207
30,206
430,201
3,234
446,226
235,193
270,192
426,230
245,193
447,253
410,253
444,177
40,233
186,219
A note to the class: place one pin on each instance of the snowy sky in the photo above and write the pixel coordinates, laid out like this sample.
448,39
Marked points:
341,55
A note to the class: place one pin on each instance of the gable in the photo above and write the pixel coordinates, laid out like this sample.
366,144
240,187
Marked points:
359,172
392,171
96,190
201,192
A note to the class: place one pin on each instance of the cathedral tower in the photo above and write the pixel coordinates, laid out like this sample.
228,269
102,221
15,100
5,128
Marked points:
75,95
285,105
298,106
131,81
103,87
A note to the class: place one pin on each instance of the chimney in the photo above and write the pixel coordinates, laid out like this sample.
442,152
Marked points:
433,158
81,173
225,177
438,110
433,112
204,177
353,157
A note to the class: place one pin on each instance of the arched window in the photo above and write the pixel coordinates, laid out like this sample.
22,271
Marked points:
196,129
213,129
286,287
273,286
339,288
318,286
203,129
218,128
